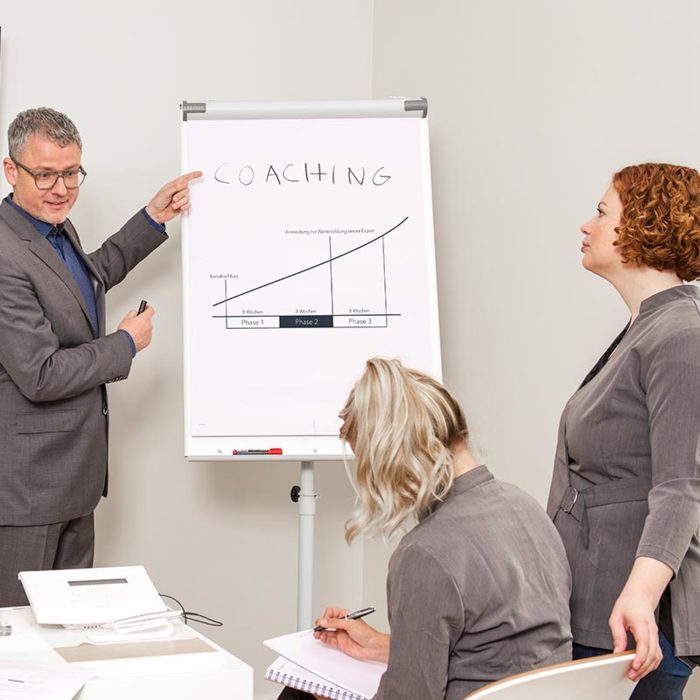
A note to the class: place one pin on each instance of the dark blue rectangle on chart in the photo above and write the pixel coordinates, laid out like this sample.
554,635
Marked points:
306,321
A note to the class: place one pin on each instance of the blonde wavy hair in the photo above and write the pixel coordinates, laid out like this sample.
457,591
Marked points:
660,222
401,425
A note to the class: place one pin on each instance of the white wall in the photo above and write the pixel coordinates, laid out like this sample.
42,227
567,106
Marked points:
532,106
221,537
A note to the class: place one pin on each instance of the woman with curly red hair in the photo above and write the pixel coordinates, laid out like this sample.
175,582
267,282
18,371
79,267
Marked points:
625,495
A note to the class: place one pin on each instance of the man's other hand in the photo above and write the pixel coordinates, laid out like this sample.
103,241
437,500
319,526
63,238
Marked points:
139,327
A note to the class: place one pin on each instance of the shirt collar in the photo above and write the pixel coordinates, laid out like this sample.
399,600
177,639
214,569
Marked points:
471,479
660,299
464,482
43,227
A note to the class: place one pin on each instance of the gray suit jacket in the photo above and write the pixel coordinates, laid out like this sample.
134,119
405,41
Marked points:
627,474
53,369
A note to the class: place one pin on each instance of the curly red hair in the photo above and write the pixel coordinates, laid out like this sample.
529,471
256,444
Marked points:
660,222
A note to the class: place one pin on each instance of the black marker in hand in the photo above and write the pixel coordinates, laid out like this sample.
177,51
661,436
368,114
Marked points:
142,307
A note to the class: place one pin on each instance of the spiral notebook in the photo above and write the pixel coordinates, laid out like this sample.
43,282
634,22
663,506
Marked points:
288,673
319,669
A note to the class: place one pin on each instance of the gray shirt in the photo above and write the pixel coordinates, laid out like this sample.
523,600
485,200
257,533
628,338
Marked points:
627,472
478,590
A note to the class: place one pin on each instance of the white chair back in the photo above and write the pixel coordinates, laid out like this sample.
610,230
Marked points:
597,678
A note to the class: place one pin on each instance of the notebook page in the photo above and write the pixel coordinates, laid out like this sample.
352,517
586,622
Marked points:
361,677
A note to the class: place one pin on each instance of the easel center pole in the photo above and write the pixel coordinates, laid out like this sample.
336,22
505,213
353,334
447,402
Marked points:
307,512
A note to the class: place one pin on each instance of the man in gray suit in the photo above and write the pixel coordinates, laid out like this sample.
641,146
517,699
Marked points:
55,354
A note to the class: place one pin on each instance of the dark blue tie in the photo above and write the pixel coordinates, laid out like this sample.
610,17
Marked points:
77,269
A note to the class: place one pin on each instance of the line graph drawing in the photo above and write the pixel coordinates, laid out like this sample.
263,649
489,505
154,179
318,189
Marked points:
352,293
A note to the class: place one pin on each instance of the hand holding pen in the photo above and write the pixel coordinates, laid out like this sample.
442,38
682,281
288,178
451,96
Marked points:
344,630
355,615
139,325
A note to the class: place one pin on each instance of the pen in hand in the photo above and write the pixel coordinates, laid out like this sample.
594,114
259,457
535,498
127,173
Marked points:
355,615
142,307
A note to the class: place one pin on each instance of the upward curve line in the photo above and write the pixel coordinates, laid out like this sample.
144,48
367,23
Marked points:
306,269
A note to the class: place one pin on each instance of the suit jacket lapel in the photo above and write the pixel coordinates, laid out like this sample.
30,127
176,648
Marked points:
46,253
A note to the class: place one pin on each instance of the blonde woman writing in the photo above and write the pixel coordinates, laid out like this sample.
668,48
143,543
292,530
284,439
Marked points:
479,588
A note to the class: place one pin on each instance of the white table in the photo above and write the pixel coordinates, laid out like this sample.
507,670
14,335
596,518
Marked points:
205,670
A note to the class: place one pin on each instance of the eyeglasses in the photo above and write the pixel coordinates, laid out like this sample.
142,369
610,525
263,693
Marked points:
46,180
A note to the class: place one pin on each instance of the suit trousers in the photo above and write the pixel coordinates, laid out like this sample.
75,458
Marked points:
67,545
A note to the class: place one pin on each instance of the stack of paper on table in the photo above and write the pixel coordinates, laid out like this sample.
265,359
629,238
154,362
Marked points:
41,681
314,667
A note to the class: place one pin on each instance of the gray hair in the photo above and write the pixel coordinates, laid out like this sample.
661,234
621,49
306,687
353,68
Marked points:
42,121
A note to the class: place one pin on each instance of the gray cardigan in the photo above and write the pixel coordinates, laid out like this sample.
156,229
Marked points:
478,590
627,477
